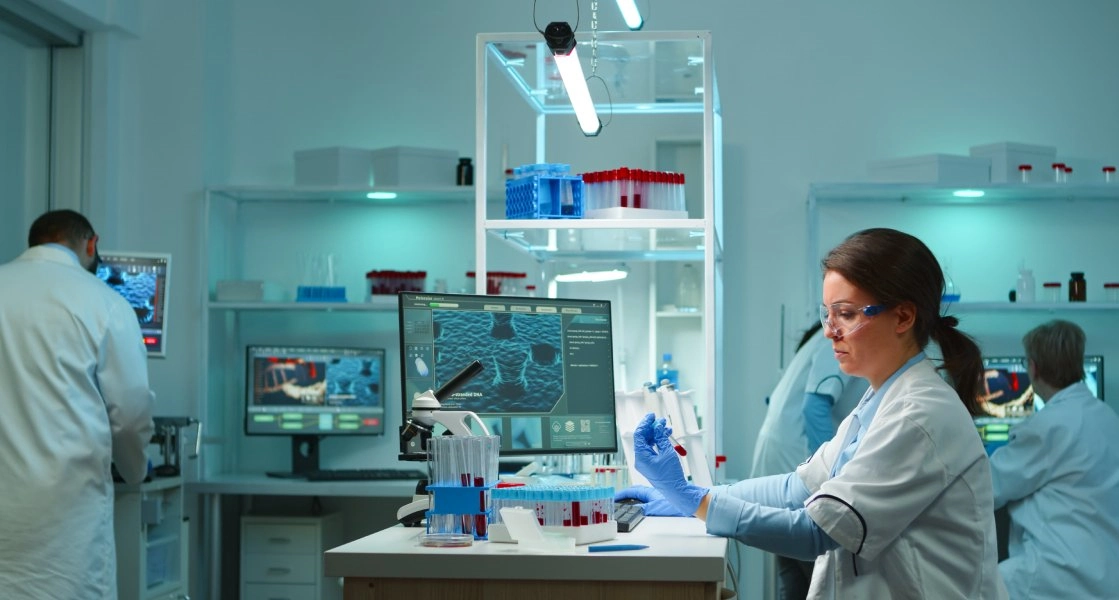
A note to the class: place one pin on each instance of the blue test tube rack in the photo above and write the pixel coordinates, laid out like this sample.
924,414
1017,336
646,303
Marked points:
467,501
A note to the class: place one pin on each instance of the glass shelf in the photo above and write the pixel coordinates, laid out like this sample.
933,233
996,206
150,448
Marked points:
378,303
587,240
1006,193
317,195
651,72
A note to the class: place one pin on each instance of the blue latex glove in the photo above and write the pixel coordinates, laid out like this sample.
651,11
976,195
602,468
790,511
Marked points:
656,459
652,502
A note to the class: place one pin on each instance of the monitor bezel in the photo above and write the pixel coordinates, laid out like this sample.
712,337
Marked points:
104,256
504,453
246,400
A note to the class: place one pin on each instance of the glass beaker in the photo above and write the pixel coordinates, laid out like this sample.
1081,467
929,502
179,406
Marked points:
689,294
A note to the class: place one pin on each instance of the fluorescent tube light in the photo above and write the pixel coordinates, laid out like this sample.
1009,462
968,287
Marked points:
630,14
572,74
381,195
968,193
561,41
592,276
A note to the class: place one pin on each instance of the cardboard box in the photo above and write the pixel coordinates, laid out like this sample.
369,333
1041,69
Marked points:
335,166
404,166
1005,158
947,169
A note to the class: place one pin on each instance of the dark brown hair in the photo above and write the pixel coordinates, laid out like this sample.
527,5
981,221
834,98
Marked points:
60,226
895,267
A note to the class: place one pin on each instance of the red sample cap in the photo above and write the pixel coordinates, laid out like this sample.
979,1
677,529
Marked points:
1025,167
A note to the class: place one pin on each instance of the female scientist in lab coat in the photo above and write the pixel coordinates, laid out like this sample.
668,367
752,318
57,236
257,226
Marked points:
899,503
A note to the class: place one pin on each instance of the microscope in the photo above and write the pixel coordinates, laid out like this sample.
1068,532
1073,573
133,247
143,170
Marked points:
168,435
426,412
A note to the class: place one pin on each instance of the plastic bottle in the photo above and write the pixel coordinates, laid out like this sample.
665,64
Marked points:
668,371
689,295
1026,289
1077,288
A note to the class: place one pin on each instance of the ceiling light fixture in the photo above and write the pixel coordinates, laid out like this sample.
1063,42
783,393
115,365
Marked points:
630,14
561,42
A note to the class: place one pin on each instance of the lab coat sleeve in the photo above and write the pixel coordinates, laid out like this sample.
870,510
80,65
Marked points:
895,475
766,514
817,419
1023,465
122,376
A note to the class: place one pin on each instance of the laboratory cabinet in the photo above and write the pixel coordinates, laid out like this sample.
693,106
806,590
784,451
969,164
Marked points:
663,114
152,540
282,556
268,241
983,237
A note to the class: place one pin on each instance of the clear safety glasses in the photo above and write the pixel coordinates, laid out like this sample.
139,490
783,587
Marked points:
843,319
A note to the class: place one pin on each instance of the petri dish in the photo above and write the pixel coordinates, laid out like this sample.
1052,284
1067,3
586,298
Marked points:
446,540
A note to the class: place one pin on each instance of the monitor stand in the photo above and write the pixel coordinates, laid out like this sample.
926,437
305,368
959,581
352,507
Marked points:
304,457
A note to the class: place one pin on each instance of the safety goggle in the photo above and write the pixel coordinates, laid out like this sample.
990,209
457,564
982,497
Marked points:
843,318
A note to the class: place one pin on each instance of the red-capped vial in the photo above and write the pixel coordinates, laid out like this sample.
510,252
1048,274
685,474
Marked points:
1068,174
1058,172
1024,173
1108,174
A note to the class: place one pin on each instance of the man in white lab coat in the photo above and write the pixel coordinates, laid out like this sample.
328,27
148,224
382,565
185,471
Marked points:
74,398
1057,475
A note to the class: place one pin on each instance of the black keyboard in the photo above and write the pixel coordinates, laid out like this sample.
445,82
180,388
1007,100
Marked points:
628,516
365,474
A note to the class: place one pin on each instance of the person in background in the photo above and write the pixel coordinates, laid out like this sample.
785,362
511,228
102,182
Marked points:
1057,476
899,503
74,400
810,400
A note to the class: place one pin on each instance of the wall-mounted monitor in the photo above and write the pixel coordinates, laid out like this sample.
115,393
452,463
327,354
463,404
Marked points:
307,392
547,383
144,279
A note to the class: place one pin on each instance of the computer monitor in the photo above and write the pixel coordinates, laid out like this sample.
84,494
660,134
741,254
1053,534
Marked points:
547,382
1007,381
307,392
144,279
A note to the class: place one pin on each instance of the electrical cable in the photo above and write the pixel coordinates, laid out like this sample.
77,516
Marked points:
541,31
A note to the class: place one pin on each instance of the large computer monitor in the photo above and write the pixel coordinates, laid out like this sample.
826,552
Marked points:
144,279
547,382
1007,381
307,392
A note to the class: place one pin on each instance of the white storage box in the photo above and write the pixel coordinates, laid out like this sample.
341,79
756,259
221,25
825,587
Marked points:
403,166
947,169
335,166
1005,158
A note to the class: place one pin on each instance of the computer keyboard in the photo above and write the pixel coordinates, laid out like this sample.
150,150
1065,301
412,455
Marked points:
365,474
628,516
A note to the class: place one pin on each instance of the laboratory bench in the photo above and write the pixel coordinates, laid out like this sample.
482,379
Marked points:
681,562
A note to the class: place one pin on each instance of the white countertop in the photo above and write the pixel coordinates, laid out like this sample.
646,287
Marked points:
679,550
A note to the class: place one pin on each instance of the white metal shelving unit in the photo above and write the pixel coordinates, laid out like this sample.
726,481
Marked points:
656,78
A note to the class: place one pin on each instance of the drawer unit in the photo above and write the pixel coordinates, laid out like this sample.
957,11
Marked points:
281,557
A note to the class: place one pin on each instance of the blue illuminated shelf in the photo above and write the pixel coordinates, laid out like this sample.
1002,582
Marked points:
1051,307
326,195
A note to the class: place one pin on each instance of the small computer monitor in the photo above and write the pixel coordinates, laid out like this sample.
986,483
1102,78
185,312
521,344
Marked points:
144,279
547,379
1006,381
306,392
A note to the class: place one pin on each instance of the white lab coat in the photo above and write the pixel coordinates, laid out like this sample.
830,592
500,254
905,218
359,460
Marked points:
912,510
73,396
1058,475
781,444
